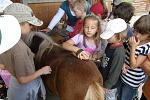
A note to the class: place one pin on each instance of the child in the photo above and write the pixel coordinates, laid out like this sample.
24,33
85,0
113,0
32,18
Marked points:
16,56
79,7
137,49
125,11
4,74
87,44
113,58
65,7
146,68
101,11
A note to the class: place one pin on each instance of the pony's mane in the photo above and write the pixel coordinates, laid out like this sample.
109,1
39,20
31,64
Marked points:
41,40
28,39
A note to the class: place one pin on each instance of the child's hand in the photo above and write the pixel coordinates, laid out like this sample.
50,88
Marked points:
46,30
94,59
98,60
134,41
46,70
83,55
2,67
60,25
124,68
1,86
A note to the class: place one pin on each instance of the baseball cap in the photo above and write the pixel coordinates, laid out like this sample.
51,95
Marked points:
10,32
4,4
113,26
97,8
22,13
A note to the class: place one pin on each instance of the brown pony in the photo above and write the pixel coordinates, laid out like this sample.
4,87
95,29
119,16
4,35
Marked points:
71,78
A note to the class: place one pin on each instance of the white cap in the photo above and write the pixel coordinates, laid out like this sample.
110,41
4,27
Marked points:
114,26
10,32
4,4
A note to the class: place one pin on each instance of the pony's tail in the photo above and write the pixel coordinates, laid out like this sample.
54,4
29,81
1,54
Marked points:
94,92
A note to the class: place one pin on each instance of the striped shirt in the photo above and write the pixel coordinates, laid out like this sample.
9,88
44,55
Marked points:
134,77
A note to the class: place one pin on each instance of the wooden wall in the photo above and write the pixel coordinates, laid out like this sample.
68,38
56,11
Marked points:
45,12
15,1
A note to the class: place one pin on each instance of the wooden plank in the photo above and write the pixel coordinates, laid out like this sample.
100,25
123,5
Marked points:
26,2
45,12
15,1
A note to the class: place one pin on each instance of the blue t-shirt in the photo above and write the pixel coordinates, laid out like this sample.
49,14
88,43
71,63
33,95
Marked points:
130,32
72,19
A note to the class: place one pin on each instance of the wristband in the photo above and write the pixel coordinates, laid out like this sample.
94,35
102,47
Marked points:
79,51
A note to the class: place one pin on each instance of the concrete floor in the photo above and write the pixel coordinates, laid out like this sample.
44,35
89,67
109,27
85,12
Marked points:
50,96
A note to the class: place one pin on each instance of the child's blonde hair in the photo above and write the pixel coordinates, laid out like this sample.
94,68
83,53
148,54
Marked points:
121,36
97,34
80,4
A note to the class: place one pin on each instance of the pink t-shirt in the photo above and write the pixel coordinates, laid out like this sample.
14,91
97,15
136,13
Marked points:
90,49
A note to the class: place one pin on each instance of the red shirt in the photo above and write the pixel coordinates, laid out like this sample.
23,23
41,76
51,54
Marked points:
77,28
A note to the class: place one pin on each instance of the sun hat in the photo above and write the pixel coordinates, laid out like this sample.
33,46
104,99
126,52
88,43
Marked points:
10,32
97,8
113,27
22,13
4,4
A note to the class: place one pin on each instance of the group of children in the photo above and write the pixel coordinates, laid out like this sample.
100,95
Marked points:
126,50
121,53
